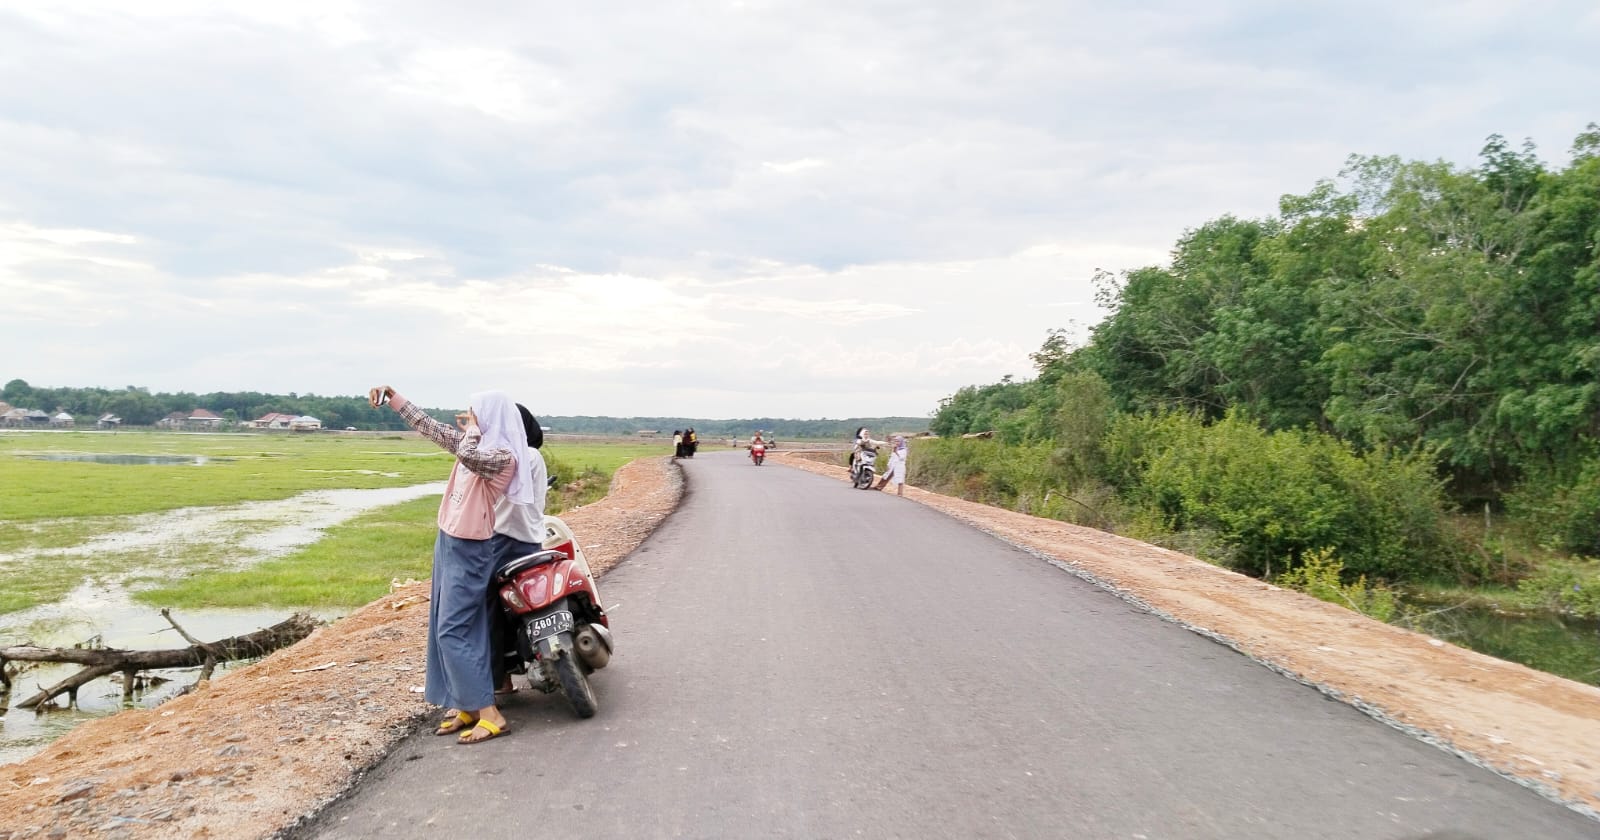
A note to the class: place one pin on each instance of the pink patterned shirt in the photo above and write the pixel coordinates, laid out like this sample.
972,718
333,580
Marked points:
478,479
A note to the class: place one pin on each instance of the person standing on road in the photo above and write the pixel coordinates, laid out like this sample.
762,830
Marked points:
491,461
677,443
896,474
518,532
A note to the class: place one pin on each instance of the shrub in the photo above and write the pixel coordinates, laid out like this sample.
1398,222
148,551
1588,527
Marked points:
1271,495
1562,506
1320,575
1571,586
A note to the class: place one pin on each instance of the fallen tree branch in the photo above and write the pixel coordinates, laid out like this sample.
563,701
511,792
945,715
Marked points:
99,662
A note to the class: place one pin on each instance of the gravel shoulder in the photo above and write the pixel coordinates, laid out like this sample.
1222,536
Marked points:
253,753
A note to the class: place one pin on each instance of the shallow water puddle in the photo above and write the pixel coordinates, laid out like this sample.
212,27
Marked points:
109,618
101,610
236,530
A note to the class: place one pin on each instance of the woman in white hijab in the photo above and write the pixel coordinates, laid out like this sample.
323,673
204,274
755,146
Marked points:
491,463
896,473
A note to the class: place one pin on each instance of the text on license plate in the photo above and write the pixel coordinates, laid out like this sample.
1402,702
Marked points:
549,625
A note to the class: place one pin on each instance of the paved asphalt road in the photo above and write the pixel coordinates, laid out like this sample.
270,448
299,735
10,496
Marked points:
799,659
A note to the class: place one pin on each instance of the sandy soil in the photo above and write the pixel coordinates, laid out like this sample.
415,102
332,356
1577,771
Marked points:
262,748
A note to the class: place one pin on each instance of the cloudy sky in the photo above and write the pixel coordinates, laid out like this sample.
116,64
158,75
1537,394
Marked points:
724,209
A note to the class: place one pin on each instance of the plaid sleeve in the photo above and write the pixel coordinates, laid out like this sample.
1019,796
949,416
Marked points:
461,444
448,437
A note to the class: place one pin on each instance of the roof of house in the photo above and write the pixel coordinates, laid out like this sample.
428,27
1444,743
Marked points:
109,418
62,416
202,414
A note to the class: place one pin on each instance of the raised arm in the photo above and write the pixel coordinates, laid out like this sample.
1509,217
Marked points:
458,442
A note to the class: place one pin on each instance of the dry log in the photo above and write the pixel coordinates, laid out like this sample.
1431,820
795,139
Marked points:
99,662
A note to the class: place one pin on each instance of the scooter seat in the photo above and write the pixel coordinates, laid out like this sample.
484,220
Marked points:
522,564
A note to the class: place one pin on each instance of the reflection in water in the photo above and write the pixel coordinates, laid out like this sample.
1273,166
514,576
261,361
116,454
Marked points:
138,460
1560,645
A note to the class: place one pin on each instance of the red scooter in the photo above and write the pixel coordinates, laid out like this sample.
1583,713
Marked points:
758,453
563,634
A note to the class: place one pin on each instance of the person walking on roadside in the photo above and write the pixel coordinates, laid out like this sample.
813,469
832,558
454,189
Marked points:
491,461
896,473
677,443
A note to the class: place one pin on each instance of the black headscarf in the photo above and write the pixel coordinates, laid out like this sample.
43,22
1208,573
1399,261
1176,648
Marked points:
530,424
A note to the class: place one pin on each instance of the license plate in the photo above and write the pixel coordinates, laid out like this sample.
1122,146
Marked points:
549,625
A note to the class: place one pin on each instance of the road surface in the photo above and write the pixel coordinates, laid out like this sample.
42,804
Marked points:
798,659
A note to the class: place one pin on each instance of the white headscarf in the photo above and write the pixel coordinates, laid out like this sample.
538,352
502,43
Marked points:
501,425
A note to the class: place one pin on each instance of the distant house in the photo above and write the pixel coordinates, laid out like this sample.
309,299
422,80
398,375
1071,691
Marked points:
174,420
5,407
202,420
13,417
62,420
108,421
272,421
305,423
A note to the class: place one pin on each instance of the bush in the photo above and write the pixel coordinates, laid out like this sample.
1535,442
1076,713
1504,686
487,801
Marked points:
1571,586
1278,495
1320,575
1562,506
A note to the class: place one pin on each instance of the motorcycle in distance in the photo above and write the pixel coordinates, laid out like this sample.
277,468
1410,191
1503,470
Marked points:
864,468
562,632
758,453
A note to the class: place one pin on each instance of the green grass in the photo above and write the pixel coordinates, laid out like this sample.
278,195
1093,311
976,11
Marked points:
352,565
65,504
243,468
42,580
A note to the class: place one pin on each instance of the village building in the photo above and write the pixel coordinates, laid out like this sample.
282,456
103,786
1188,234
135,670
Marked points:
108,421
201,420
197,420
274,420
62,420
305,423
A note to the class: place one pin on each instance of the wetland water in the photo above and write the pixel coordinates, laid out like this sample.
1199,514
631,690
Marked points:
140,460
1561,645
100,610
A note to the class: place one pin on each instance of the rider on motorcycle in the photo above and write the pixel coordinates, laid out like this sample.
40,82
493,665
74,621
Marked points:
863,444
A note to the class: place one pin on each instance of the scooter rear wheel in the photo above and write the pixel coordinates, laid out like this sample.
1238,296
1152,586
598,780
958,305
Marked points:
575,685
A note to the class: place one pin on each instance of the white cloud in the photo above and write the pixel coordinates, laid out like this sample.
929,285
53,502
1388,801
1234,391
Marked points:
705,209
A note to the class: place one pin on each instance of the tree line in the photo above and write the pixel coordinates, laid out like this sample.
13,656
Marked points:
1406,313
139,407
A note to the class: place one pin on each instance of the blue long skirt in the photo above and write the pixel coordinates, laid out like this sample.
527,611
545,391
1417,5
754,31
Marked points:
458,625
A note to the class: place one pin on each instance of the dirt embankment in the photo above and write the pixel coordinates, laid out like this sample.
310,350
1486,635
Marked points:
269,744
259,749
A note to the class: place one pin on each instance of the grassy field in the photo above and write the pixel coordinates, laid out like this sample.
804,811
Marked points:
63,504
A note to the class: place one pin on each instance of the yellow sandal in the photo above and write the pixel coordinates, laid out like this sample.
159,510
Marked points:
455,723
492,730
